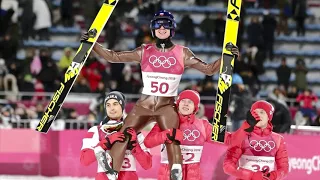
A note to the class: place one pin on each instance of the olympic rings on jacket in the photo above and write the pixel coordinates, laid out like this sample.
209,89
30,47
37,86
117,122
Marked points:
260,145
191,135
163,61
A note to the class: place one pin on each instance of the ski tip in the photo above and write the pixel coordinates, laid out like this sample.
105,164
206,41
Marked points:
111,2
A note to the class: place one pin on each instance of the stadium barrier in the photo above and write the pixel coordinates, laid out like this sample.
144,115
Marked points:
27,152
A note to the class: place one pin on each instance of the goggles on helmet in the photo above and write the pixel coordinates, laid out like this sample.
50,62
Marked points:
166,23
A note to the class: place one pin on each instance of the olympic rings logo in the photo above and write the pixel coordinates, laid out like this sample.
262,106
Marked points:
191,135
162,61
260,145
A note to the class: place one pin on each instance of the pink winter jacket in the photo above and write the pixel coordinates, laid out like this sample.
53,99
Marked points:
260,150
196,132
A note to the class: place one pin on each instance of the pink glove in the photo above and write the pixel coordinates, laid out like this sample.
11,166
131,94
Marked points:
257,176
132,135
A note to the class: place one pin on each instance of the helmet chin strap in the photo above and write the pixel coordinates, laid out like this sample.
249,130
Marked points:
164,43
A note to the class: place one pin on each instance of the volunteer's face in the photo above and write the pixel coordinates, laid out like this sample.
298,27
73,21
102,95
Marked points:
186,107
114,109
162,33
263,118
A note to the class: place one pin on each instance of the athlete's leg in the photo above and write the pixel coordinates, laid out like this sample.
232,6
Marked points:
167,118
136,119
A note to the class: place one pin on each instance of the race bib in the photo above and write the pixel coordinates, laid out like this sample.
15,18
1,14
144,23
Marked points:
190,154
160,84
129,163
257,163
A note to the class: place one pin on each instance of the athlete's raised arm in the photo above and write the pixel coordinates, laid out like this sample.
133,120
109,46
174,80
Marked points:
191,61
115,57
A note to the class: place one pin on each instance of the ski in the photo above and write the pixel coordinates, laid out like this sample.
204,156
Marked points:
226,70
74,69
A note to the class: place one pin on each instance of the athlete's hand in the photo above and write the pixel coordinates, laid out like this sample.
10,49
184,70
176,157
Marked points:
84,37
257,176
131,134
252,119
255,115
113,138
172,135
233,49
271,175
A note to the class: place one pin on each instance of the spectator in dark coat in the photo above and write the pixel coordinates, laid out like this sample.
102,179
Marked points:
299,8
241,101
8,48
281,120
49,72
5,20
82,86
66,11
90,9
219,24
301,72
255,33
143,32
207,27
283,74
269,24
187,29
113,32
27,19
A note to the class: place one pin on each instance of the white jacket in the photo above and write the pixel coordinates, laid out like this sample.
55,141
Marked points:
43,16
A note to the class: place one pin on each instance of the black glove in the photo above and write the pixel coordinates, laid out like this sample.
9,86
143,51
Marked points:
131,134
175,136
90,34
233,49
251,121
84,37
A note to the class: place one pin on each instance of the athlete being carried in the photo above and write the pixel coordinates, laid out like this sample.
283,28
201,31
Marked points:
162,65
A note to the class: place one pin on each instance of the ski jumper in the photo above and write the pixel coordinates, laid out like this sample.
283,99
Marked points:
128,168
161,74
162,69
